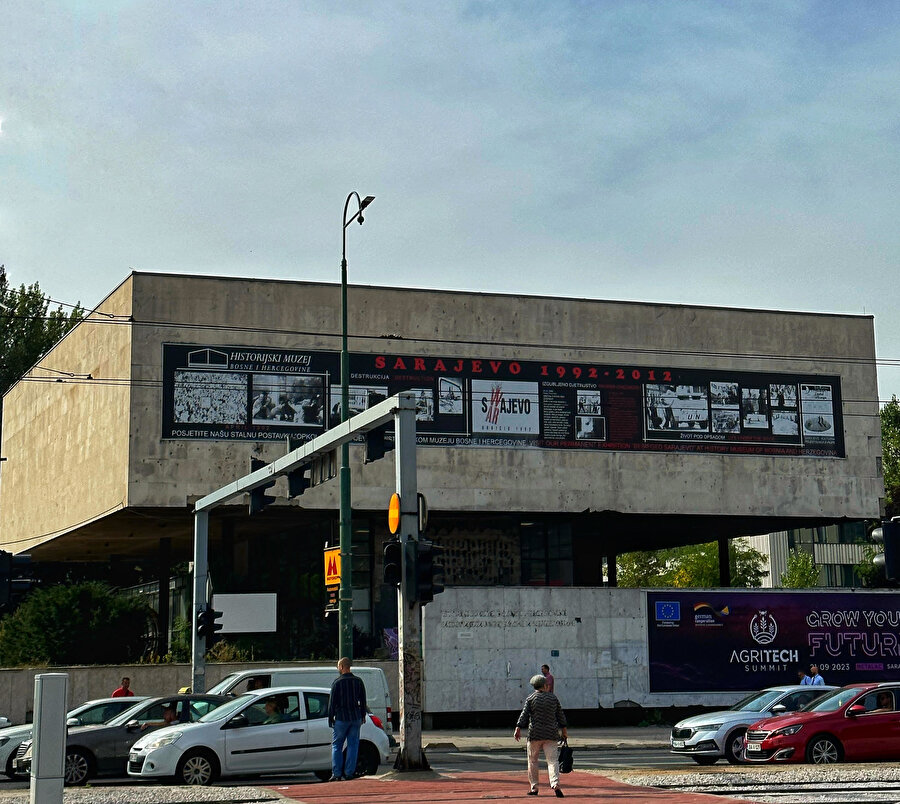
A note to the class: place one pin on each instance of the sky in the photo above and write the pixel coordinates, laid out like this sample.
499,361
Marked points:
715,153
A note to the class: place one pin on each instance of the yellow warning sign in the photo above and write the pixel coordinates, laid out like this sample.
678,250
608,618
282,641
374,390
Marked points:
332,566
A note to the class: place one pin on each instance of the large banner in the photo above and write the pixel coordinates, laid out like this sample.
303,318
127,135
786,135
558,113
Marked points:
250,393
702,641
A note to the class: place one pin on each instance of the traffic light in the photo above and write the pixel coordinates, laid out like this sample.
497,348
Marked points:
258,497
393,562
15,577
206,622
376,442
429,571
298,482
891,537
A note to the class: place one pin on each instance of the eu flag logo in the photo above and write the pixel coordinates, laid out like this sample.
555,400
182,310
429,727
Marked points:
668,610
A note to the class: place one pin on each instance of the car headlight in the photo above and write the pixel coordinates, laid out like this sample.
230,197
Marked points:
159,742
708,727
787,731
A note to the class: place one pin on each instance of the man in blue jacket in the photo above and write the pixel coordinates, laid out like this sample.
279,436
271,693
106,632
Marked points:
346,713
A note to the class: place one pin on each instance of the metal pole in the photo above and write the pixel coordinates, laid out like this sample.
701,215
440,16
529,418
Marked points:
201,578
345,594
409,612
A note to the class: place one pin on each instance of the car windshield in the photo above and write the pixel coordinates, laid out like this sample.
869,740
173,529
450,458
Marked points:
224,684
132,712
758,701
226,709
834,701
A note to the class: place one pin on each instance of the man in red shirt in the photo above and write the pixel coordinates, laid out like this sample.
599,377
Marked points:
548,678
124,691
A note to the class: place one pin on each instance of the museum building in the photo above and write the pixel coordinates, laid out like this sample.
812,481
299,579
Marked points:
553,433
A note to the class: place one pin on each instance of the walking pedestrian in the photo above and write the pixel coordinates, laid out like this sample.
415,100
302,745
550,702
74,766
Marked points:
803,677
548,677
123,691
545,720
816,679
346,713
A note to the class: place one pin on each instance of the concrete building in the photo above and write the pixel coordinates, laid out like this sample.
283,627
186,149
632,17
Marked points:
554,433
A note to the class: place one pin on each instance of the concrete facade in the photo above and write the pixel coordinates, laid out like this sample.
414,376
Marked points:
103,435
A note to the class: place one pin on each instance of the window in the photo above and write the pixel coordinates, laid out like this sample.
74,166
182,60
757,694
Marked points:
546,553
273,709
316,704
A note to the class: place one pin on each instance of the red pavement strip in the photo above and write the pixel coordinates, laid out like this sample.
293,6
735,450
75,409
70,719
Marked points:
480,787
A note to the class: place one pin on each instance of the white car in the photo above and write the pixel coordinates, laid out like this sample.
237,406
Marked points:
276,730
88,714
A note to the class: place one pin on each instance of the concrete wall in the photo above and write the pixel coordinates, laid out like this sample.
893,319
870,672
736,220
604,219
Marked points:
482,645
88,683
304,315
66,442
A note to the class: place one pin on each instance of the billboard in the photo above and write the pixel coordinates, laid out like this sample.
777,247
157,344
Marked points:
729,639
257,394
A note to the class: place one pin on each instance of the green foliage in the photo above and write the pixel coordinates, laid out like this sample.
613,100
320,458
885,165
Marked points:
801,572
86,623
869,575
28,328
691,566
890,448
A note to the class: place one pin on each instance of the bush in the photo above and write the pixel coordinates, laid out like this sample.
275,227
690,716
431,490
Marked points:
85,623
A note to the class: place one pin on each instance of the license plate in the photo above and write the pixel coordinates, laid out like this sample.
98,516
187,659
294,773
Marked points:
134,757
754,746
677,743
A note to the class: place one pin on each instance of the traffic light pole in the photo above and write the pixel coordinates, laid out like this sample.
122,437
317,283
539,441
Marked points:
409,612
201,580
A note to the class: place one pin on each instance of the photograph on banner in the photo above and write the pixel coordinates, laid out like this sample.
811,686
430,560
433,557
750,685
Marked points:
281,399
210,397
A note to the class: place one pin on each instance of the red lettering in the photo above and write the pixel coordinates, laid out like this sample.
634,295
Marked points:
476,367
418,364
458,366
399,364
439,366
514,368
379,361
495,365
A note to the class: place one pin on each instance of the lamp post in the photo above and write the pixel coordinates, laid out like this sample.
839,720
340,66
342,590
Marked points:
345,599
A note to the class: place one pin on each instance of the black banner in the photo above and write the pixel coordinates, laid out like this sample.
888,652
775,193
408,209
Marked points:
249,393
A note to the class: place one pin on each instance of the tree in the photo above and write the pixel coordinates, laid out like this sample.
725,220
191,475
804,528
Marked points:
801,572
28,328
691,566
85,623
890,449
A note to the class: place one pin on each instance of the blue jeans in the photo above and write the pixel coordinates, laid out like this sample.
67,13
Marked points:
345,730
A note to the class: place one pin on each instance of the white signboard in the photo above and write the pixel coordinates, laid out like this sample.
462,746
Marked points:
504,406
247,614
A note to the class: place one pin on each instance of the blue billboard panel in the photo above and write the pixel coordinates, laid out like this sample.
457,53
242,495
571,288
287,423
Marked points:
735,640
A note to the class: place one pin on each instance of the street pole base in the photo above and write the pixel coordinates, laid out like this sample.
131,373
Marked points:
404,761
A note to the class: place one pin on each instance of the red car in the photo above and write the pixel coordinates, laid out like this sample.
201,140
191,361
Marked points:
854,723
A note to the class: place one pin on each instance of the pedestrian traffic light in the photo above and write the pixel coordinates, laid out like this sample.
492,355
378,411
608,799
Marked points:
298,482
891,537
393,562
206,622
429,571
258,497
376,442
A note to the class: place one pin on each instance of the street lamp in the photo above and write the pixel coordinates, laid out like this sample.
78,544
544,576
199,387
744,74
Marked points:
345,600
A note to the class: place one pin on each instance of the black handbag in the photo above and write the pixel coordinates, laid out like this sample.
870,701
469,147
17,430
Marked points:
566,757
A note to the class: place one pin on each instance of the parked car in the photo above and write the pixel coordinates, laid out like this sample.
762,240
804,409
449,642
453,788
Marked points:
854,723
378,694
90,713
710,737
276,730
103,750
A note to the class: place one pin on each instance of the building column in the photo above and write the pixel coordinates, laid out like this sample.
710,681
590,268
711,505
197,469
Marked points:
724,562
163,607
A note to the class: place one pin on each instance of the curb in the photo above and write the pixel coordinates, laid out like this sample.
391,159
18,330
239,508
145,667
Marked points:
449,747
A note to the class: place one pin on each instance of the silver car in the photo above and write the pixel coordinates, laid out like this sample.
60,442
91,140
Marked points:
707,738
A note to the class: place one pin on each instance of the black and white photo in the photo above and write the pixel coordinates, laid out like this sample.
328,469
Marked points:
450,396
289,399
755,408
210,397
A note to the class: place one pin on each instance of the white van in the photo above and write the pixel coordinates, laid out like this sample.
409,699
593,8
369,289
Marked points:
377,692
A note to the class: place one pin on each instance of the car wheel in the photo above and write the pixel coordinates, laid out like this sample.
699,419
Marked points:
734,747
78,767
10,770
705,760
823,750
323,776
197,767
367,760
